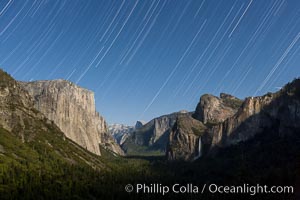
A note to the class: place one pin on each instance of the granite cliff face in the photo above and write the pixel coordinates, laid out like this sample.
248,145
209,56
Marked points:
227,121
212,109
16,108
280,111
32,144
190,135
72,109
185,140
154,135
157,130
139,124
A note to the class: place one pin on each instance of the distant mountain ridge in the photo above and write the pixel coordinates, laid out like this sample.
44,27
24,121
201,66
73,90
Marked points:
152,136
120,132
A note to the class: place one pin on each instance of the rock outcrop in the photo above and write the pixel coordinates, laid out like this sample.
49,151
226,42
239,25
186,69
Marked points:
280,111
156,132
30,141
184,144
73,110
154,135
228,122
185,141
139,124
16,108
213,110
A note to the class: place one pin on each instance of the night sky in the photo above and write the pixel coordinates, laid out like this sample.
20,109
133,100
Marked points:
152,57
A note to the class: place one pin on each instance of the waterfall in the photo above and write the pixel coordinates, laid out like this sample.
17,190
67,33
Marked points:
199,147
198,154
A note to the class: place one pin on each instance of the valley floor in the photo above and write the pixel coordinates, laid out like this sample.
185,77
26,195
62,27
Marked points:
246,163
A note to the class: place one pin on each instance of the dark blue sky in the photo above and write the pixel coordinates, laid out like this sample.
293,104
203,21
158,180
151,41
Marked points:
147,58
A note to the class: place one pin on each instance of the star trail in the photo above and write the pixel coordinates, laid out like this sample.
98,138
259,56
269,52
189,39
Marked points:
147,58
